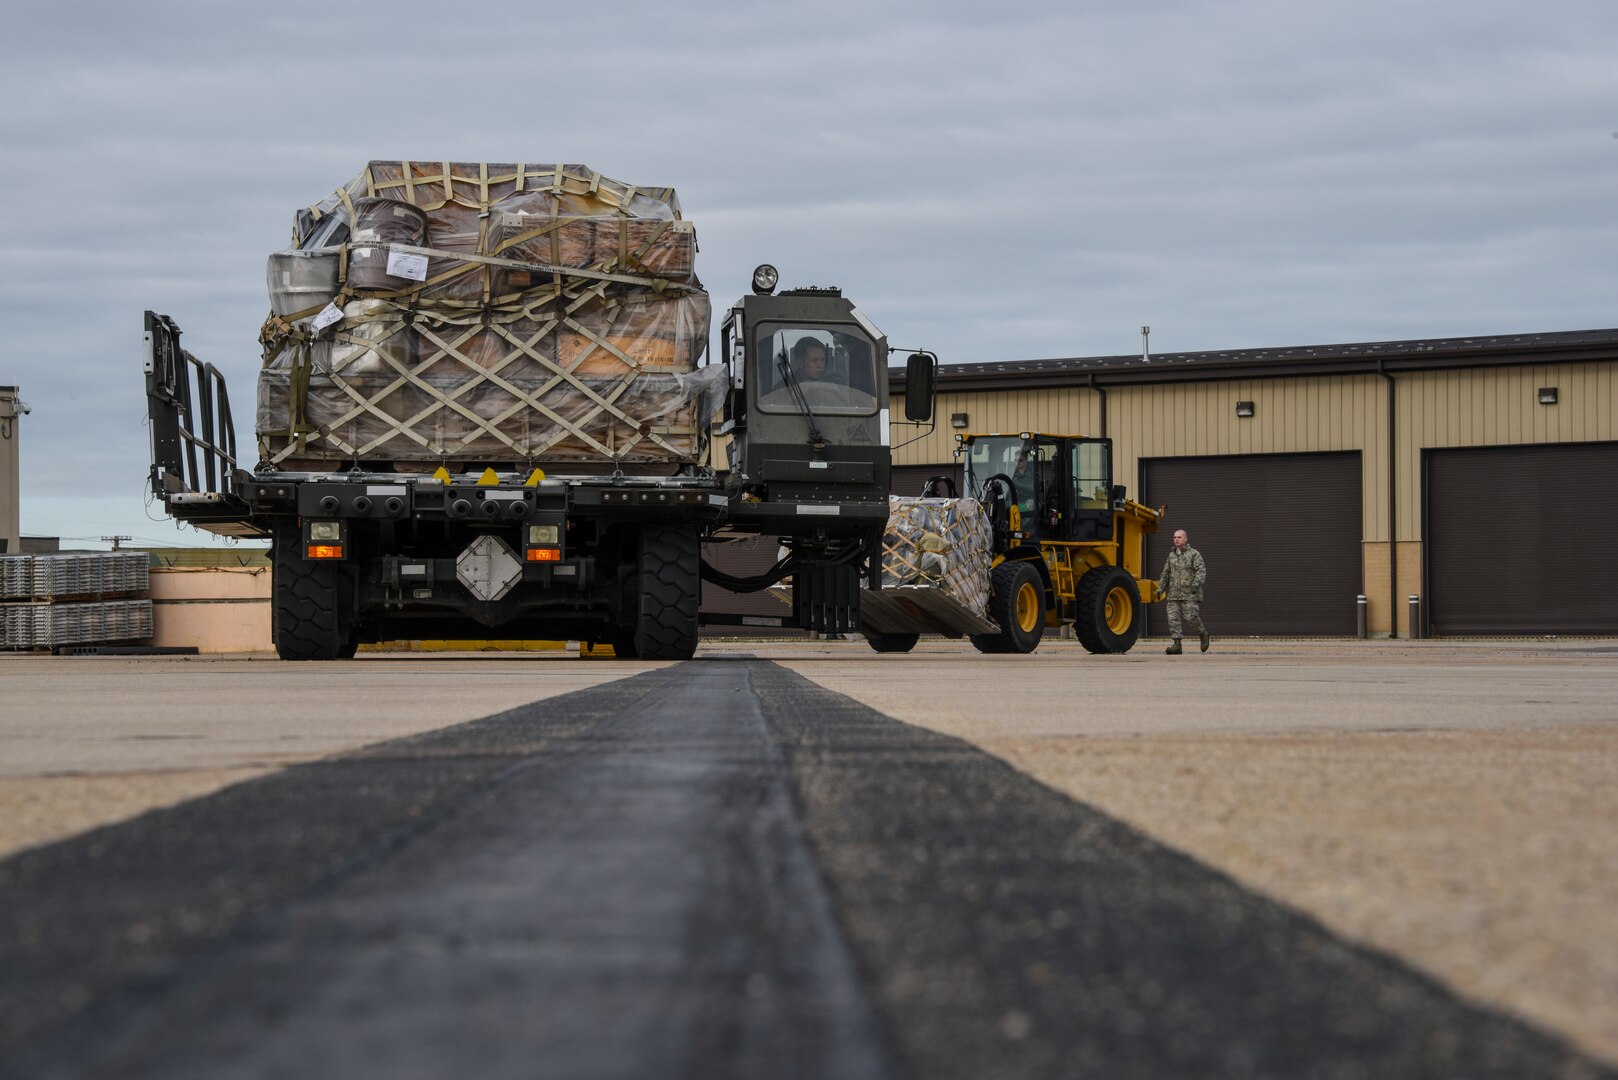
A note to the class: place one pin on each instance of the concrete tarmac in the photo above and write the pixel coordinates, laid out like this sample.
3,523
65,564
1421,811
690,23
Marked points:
1452,803
92,740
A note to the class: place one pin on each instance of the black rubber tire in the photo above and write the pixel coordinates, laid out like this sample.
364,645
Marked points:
1106,616
1017,634
309,617
893,642
623,645
669,580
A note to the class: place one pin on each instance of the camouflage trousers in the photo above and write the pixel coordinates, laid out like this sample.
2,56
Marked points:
1183,614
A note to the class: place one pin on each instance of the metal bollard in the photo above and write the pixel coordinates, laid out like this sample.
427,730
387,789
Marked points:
1362,606
1415,617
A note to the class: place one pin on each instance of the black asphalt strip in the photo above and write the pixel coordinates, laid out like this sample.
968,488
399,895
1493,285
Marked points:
718,869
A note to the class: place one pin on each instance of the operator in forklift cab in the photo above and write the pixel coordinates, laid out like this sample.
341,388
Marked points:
809,359
1022,478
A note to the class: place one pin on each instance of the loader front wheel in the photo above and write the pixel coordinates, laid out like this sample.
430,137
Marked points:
893,642
1017,604
1107,610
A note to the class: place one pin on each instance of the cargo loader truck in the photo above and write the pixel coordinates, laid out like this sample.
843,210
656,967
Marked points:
488,409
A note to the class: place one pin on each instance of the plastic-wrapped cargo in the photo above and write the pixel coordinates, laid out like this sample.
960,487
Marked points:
944,543
444,313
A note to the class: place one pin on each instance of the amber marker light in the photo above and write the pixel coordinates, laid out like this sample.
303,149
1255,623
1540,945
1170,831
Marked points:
544,554
325,551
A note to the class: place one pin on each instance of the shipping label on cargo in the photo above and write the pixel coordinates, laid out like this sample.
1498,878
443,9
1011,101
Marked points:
403,264
329,314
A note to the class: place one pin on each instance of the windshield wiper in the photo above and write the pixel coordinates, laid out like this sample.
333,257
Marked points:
816,440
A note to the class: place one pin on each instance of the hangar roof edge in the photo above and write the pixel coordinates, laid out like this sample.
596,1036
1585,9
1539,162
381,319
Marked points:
1550,347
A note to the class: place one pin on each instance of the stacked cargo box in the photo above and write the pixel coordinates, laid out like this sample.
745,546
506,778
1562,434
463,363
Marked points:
486,314
47,601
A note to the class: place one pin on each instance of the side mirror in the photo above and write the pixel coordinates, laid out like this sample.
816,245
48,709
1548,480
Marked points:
921,378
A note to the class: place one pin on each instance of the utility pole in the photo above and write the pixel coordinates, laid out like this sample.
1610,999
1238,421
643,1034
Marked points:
12,408
116,540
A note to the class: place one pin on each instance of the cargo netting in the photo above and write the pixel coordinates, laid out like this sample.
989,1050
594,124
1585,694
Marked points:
441,313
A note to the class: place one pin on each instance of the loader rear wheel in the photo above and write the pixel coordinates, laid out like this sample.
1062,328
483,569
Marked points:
893,642
1107,610
663,619
312,610
1017,603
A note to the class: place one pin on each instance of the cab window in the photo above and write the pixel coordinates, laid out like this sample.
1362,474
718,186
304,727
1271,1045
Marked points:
1092,473
1029,467
834,370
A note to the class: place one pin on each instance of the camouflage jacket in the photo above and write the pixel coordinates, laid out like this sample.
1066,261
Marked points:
1183,575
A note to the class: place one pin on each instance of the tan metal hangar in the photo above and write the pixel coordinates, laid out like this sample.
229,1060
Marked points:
1477,475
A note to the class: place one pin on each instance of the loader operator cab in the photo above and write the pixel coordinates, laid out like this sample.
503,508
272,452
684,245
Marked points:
1041,487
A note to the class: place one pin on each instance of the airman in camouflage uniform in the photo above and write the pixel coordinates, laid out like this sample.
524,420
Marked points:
1181,584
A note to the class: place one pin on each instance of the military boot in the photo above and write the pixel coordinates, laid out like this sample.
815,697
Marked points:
1174,648
1205,641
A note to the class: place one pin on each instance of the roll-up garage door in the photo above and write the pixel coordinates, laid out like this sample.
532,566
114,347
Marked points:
1519,539
1281,534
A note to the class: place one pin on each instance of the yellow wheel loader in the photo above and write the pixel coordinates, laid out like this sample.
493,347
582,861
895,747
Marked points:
1067,548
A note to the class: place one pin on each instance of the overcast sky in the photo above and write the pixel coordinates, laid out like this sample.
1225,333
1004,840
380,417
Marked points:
990,181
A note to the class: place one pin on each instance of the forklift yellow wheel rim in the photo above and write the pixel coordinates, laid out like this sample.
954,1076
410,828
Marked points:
1027,607
1119,613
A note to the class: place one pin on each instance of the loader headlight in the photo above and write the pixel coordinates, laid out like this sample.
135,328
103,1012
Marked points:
541,535
325,530
765,278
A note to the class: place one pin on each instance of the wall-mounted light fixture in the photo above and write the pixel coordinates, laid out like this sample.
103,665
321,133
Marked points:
1547,395
957,419
1244,408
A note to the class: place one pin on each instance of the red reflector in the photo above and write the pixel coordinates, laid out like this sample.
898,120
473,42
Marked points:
325,551
544,554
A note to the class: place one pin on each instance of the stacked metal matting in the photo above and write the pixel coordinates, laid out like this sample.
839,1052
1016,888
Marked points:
86,574
48,601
